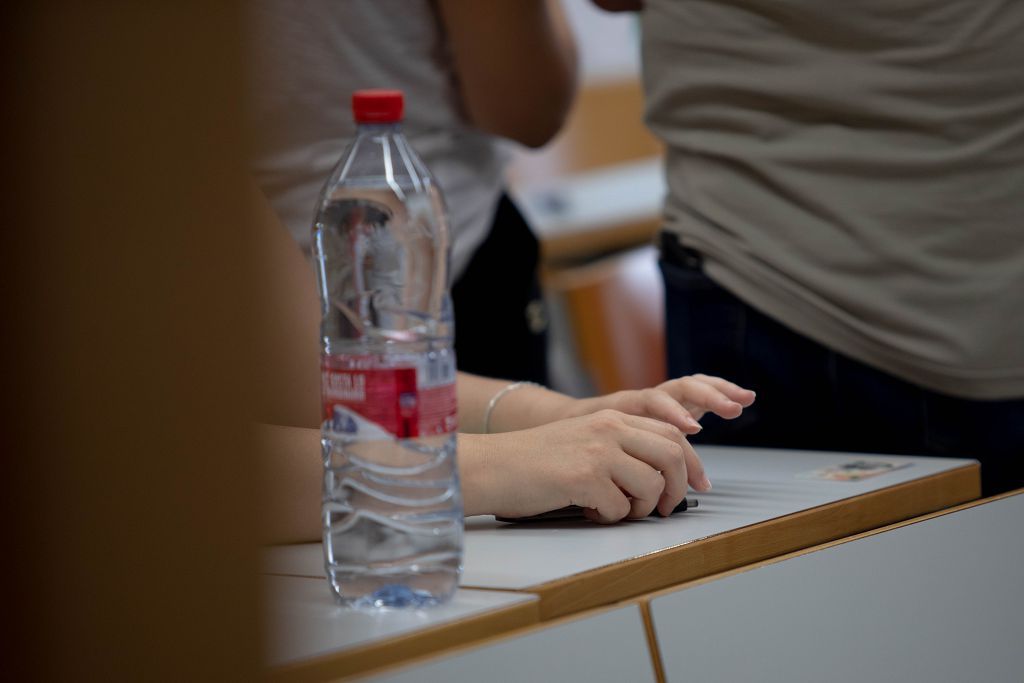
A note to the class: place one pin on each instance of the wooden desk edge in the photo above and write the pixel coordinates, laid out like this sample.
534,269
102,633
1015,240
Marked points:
366,659
758,542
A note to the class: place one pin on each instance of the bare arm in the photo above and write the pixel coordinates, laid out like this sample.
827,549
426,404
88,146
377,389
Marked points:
292,475
680,402
518,412
287,317
617,455
516,65
287,325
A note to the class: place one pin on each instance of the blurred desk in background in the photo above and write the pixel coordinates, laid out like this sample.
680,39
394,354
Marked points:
592,213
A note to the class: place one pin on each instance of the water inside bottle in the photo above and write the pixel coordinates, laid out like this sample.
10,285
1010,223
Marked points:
392,520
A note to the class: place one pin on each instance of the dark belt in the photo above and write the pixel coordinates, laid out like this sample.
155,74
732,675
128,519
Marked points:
675,253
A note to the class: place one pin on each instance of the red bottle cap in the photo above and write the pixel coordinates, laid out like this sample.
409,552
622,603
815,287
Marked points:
378,106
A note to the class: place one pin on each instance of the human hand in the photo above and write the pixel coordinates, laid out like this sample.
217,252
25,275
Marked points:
612,464
680,402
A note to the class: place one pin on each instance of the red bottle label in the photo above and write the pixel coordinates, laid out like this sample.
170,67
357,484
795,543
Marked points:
376,403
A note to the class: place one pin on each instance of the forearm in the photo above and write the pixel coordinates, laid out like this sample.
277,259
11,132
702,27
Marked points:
475,475
524,407
287,322
516,64
292,472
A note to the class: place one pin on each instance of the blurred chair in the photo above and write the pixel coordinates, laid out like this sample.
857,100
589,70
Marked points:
614,309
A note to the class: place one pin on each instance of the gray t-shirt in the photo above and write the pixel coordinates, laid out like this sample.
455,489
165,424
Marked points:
308,56
856,171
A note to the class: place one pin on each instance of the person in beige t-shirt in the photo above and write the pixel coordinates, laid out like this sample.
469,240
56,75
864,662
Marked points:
845,218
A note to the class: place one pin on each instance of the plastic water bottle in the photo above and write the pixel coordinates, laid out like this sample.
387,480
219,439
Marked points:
392,507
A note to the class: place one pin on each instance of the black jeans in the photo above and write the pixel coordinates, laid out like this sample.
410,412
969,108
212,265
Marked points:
810,397
500,320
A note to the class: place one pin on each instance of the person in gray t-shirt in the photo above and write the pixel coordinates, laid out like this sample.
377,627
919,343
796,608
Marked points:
844,227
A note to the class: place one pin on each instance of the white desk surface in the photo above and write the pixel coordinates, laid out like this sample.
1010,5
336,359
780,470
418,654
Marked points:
304,620
610,646
936,600
750,486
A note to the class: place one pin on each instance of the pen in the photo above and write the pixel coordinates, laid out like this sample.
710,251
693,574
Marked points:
575,511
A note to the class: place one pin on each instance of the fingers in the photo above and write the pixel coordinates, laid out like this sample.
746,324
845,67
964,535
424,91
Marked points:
696,475
702,393
659,446
655,403
745,397
660,405
643,484
662,447
605,502
671,454
633,466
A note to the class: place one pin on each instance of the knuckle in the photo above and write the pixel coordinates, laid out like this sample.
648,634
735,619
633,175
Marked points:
583,470
674,434
606,420
677,452
651,487
594,449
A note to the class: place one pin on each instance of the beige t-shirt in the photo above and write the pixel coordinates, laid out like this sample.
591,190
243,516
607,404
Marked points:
856,171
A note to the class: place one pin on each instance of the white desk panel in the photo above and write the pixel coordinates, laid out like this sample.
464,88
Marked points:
750,486
610,646
937,600
304,620
594,199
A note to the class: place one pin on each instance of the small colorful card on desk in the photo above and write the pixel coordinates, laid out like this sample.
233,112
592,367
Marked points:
855,470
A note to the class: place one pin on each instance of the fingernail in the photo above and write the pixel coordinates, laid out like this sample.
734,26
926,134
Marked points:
705,484
693,423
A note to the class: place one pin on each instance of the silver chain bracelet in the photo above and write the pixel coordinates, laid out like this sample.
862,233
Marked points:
498,396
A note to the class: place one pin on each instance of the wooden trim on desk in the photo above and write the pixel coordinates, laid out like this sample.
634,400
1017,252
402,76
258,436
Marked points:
758,542
359,661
